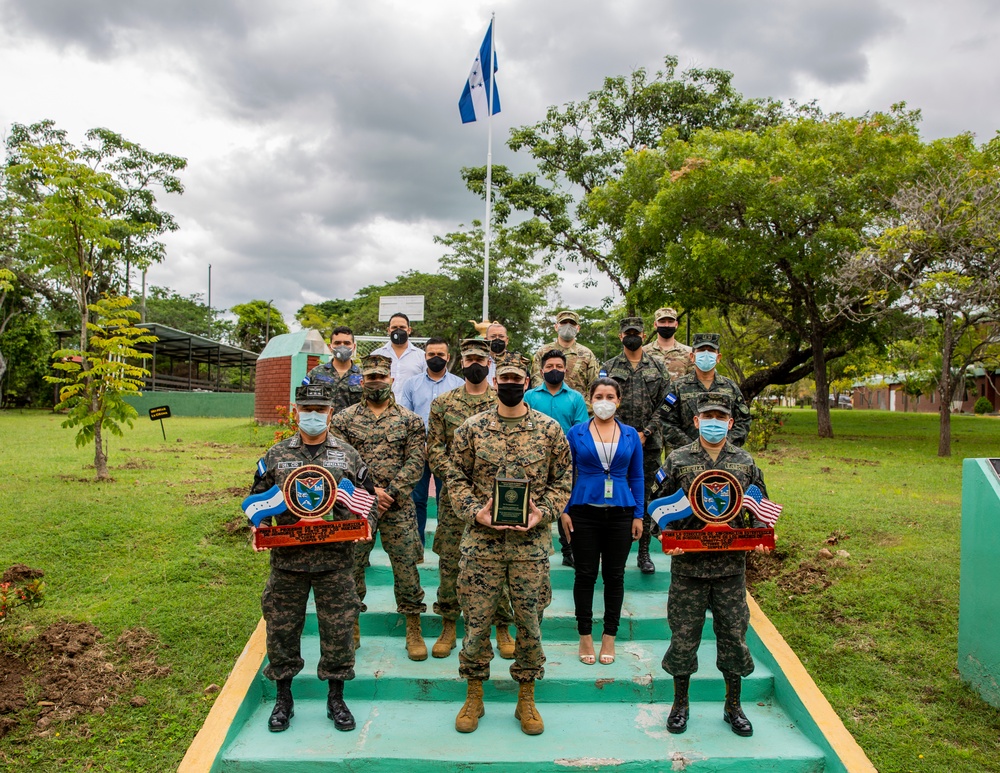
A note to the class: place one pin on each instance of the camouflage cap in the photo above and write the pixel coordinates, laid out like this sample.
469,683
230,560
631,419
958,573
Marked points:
665,313
705,339
475,346
715,401
512,362
568,316
631,323
314,394
376,365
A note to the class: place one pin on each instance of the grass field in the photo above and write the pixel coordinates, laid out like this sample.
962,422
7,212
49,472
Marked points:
877,629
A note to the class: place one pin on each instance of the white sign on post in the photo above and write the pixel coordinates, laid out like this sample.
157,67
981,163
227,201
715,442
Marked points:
410,305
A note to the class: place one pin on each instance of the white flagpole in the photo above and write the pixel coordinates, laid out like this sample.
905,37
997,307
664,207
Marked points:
489,170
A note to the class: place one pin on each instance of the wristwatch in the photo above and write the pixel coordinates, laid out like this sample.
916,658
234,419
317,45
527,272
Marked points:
646,431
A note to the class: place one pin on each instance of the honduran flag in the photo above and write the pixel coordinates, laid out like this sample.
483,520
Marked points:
765,510
473,104
264,505
356,500
672,508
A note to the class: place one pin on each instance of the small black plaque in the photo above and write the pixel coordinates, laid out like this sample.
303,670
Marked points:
160,412
510,501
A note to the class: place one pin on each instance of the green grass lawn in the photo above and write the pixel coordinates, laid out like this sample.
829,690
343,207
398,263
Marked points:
877,630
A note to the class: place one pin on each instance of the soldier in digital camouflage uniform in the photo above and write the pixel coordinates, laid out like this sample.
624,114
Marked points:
680,406
341,372
581,364
326,569
643,384
448,412
391,441
511,440
674,356
709,580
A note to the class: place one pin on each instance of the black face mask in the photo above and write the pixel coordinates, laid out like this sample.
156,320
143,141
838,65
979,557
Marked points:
398,337
436,364
632,342
475,373
510,394
666,332
554,376
497,346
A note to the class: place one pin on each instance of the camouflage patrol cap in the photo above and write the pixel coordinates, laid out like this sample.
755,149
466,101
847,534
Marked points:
475,346
512,362
705,339
715,401
568,316
376,365
665,313
314,394
631,323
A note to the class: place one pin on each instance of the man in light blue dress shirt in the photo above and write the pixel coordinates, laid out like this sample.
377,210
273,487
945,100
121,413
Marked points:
407,359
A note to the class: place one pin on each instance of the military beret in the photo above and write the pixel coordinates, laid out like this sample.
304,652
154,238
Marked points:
631,323
314,394
512,362
376,365
568,316
665,313
705,339
715,401
475,346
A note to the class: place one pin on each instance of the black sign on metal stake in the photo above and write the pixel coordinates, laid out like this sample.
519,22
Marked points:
159,414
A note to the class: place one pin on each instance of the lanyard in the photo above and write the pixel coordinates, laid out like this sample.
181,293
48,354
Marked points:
605,456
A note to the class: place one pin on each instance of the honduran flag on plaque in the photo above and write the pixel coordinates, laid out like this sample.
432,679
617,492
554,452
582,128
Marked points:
473,105
266,504
666,510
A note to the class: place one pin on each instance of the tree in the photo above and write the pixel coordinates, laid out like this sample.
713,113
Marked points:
583,145
188,313
97,379
324,316
257,323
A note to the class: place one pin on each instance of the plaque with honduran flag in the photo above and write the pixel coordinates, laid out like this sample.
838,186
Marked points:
716,498
310,493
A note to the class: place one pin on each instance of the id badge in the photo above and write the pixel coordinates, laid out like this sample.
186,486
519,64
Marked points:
609,488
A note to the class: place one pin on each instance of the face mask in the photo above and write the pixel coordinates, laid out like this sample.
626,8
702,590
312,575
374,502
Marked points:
498,346
510,394
554,376
398,337
666,332
705,361
475,373
632,342
313,423
567,332
604,409
342,353
376,394
713,430
436,364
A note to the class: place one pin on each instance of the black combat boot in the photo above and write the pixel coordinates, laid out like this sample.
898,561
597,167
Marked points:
677,721
643,560
733,712
336,709
283,711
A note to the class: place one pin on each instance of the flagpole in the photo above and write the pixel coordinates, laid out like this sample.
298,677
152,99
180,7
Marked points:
489,171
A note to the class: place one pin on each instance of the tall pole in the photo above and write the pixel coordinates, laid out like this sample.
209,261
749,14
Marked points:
142,317
489,171
208,322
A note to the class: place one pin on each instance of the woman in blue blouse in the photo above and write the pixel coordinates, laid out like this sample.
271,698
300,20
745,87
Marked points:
604,514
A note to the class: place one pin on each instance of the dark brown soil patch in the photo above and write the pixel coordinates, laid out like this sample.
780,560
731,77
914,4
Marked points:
21,573
862,462
136,464
808,578
761,567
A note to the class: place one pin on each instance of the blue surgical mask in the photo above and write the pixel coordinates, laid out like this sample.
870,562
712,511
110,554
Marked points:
713,430
705,361
313,423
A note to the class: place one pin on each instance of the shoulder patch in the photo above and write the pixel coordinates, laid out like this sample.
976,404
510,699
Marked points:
670,399
306,381
261,467
354,379
661,475
602,374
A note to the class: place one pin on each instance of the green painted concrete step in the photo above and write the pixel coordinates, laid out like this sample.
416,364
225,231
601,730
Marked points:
382,670
419,737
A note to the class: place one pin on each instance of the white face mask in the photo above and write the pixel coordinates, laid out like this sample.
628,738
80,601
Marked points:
604,409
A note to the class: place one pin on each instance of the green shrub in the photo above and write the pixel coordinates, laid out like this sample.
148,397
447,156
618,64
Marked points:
765,424
983,405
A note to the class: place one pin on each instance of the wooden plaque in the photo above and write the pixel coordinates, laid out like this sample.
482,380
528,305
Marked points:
310,533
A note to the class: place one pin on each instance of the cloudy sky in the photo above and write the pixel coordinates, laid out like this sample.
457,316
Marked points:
323,138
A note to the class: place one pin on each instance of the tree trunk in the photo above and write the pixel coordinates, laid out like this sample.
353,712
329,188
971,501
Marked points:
3,369
946,387
823,423
100,458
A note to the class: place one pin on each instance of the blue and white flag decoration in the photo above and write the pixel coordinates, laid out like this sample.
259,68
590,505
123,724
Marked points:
765,510
473,104
671,508
259,507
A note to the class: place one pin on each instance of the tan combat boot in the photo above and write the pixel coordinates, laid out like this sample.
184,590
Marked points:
415,647
505,644
531,720
468,718
446,641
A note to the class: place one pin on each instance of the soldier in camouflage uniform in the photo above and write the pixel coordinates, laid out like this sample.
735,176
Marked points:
341,372
681,404
511,440
643,384
391,441
448,412
674,356
710,580
326,569
581,364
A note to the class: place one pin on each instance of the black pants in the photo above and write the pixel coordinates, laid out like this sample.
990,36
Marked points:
602,536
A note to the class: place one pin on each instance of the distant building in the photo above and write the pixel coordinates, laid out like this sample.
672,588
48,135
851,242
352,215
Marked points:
885,393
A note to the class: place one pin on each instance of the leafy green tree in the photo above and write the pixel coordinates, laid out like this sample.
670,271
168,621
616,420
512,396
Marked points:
97,379
257,323
324,316
183,312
